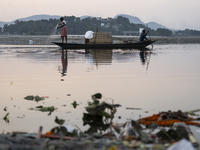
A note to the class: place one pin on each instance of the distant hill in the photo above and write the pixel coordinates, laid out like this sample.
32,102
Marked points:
35,17
39,17
154,25
132,19
136,20
83,17
2,23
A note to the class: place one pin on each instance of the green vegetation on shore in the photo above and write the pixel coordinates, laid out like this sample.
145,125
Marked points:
77,26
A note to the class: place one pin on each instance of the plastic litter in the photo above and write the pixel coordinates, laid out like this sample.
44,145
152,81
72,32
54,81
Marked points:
182,145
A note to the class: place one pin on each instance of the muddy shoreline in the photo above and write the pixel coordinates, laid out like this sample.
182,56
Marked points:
46,40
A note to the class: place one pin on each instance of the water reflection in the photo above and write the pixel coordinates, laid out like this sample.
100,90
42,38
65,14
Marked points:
64,62
121,76
145,57
101,56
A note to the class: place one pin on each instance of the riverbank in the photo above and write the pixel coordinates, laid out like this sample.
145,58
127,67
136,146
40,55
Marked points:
46,40
162,39
33,141
29,142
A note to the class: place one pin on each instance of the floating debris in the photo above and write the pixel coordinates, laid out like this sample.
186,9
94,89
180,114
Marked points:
5,109
36,98
21,116
59,121
99,114
39,107
49,109
117,105
30,97
97,96
96,108
46,109
74,104
6,118
133,108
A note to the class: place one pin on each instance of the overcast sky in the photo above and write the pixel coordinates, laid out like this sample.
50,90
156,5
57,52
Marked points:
176,14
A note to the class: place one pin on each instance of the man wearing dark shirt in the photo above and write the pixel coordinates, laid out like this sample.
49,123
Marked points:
143,36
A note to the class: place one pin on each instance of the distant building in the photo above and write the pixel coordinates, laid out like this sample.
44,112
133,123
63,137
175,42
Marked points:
105,23
102,24
140,30
98,18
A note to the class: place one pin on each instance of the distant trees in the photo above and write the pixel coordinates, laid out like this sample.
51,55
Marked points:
77,26
39,27
163,32
188,32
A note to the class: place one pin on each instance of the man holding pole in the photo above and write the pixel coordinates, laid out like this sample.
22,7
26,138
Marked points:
143,36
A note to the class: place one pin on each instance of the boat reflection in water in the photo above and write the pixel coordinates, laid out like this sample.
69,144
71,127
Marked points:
101,56
105,56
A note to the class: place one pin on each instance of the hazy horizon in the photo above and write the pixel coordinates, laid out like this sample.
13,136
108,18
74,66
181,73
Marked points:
179,14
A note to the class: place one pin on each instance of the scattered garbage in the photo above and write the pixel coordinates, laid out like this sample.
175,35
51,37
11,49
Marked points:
169,118
158,131
166,130
182,145
62,130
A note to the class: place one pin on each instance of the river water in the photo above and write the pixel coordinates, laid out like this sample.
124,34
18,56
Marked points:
162,79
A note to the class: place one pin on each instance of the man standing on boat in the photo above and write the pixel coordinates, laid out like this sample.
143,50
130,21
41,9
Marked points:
143,36
63,25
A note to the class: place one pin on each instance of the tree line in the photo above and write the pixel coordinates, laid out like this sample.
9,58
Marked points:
77,26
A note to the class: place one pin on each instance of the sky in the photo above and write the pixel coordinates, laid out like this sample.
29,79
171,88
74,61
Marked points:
175,14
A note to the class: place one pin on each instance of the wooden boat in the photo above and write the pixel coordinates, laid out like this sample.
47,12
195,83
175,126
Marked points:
104,46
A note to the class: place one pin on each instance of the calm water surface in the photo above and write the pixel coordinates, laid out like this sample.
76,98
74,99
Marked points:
166,78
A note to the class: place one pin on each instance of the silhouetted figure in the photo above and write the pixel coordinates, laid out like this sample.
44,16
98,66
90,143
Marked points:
64,61
63,25
143,35
143,57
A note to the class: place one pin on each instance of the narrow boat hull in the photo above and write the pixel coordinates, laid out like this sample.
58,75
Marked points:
104,46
